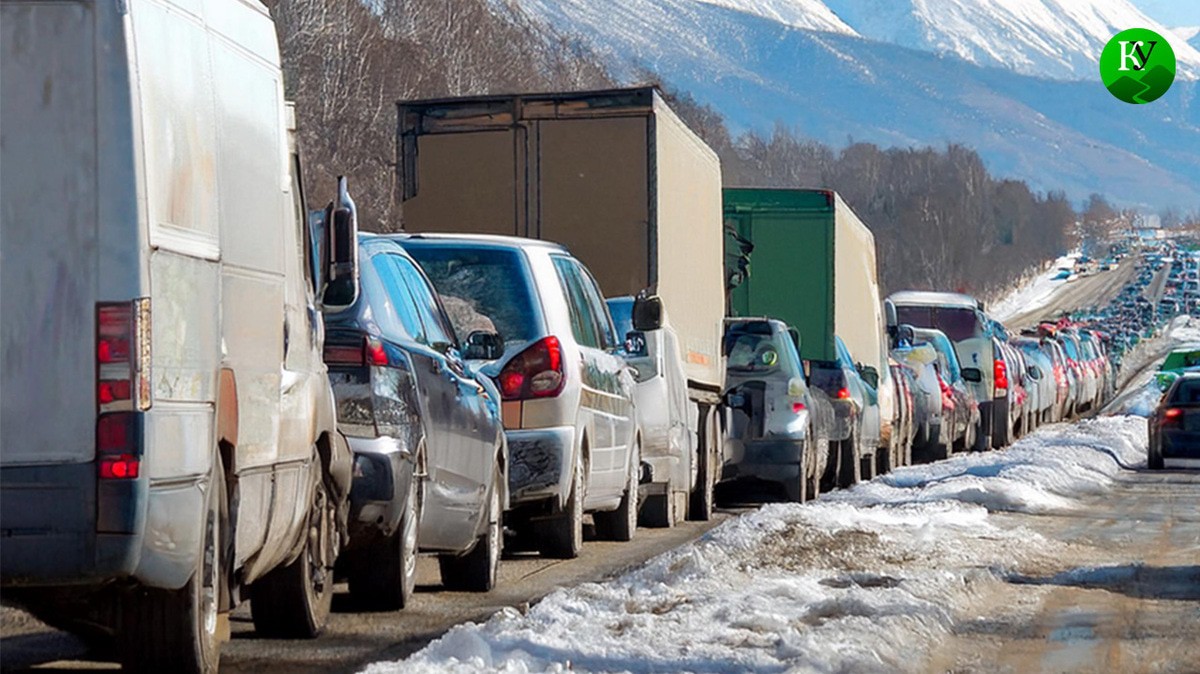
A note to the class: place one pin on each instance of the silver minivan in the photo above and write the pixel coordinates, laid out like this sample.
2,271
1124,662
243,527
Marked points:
568,395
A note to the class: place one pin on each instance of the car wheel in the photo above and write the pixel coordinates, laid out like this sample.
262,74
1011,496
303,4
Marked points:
561,537
293,601
703,496
177,630
850,463
620,524
386,577
1155,459
476,571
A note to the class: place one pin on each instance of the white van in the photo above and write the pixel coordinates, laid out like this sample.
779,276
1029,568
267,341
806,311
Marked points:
168,444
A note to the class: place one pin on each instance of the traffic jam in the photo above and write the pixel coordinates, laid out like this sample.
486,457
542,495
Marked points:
604,339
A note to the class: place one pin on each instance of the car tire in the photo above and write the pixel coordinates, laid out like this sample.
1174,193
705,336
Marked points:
561,536
178,630
477,570
849,464
385,578
293,601
620,524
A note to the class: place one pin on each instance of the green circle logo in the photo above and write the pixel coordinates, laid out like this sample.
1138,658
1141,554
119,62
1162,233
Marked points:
1137,65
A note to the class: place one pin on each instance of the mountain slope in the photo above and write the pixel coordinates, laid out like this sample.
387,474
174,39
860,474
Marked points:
831,87
1059,39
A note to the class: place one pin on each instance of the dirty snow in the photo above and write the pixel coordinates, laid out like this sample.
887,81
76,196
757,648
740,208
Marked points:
869,579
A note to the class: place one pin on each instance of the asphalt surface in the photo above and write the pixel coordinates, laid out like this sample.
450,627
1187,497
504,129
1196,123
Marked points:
1126,597
354,638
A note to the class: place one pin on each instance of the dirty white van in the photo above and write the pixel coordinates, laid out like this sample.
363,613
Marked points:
168,445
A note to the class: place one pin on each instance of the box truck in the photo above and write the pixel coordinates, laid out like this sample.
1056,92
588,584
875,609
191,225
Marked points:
168,441
802,256
619,179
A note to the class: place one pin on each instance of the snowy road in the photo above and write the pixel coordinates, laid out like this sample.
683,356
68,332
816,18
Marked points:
1124,598
1059,296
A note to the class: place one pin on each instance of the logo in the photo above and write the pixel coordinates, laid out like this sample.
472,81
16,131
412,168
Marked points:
1137,65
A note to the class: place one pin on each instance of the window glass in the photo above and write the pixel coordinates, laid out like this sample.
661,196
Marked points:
391,303
621,311
1186,391
583,323
436,329
481,287
756,347
599,310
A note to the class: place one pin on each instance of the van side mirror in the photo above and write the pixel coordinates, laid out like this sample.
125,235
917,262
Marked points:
647,313
635,344
889,315
483,345
341,250
972,374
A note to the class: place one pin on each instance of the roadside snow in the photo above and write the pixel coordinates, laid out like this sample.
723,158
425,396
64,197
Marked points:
1034,294
870,579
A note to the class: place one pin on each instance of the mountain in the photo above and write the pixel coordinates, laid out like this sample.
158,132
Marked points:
1060,39
1189,33
832,85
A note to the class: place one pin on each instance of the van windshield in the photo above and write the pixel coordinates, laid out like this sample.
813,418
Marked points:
958,323
482,287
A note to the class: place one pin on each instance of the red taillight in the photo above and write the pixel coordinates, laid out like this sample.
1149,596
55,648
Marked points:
843,393
536,372
947,393
123,355
1001,377
1172,416
118,446
368,352
798,407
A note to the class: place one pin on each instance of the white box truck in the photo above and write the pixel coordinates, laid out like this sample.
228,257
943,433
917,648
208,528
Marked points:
168,444
620,180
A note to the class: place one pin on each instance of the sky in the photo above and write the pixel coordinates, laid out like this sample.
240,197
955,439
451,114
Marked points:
1171,13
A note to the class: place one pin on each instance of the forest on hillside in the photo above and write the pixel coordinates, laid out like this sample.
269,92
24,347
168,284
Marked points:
940,219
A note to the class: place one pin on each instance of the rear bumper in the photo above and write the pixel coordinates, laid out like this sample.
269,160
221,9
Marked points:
383,470
49,520
763,458
539,463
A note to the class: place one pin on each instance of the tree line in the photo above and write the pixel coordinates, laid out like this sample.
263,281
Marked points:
940,219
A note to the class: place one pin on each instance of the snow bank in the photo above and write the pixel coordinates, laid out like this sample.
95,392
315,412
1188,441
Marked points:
1035,294
865,580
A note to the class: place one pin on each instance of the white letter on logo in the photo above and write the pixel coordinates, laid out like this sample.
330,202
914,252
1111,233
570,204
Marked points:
1129,54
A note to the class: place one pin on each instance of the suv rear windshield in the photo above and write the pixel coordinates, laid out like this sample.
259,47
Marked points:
756,347
1186,392
482,287
958,323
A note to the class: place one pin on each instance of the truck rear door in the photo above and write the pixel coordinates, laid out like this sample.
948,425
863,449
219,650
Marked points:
48,232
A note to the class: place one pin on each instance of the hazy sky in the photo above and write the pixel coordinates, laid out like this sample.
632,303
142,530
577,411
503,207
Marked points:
1171,13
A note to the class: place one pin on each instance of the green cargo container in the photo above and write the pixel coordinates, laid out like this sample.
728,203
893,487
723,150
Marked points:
812,266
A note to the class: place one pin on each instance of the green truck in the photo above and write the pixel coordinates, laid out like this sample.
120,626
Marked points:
802,256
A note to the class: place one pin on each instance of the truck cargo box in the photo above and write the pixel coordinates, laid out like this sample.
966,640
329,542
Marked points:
614,175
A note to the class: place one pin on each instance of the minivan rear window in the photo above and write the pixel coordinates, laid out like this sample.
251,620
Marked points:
1187,392
958,323
482,287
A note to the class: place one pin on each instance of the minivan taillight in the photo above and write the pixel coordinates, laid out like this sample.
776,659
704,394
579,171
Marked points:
369,352
118,446
536,372
1001,378
123,355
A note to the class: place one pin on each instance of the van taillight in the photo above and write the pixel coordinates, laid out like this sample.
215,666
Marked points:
123,355
1001,377
536,372
118,446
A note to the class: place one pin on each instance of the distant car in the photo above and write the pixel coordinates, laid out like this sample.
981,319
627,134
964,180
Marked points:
568,394
779,427
929,414
1176,363
1062,275
1042,384
856,417
1175,425
425,429
960,408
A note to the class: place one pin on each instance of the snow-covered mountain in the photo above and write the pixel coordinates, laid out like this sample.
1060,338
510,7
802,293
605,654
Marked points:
752,61
1189,33
1044,38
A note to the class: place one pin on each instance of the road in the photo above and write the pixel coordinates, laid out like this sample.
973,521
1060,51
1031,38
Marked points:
1095,290
1127,599
353,638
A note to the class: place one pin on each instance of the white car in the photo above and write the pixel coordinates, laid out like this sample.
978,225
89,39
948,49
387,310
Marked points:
568,395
